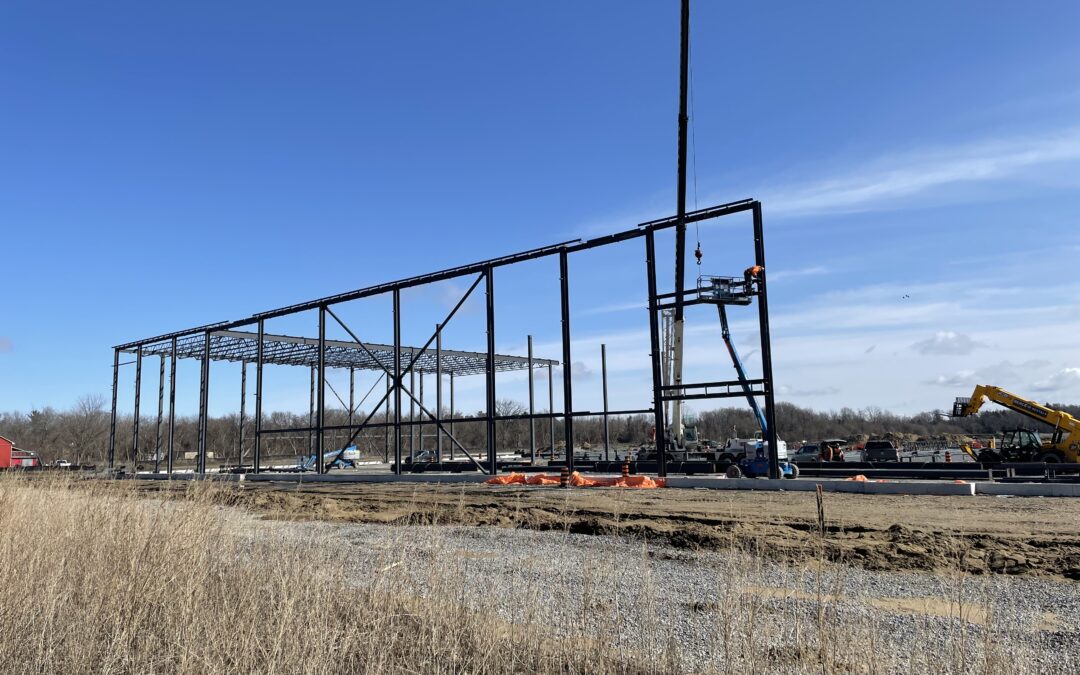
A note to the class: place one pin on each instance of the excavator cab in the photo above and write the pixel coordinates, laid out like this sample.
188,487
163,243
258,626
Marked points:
1021,440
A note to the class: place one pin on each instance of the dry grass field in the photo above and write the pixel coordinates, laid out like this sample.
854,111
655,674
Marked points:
112,577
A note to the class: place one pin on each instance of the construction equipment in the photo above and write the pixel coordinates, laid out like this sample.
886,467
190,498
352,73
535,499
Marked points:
342,458
1024,445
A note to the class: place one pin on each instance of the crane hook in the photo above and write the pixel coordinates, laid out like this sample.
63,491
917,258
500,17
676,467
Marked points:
697,254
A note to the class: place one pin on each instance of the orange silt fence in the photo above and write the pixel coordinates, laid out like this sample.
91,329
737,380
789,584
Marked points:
577,480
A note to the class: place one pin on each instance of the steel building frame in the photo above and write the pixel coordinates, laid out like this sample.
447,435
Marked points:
224,341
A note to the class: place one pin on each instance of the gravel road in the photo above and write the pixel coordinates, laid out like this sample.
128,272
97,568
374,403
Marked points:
722,610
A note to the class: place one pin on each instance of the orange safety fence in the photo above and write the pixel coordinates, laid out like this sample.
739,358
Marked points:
577,480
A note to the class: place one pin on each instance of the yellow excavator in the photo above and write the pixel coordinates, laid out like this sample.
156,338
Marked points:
1024,445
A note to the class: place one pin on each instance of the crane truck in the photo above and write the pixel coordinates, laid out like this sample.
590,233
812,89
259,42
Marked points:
1024,445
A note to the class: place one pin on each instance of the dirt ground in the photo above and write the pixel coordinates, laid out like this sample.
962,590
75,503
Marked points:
980,535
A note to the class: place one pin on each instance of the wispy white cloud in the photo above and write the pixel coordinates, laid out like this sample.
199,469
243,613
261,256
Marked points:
1066,379
884,182
947,342
781,275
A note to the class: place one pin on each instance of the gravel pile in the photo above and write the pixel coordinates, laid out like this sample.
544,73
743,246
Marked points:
723,611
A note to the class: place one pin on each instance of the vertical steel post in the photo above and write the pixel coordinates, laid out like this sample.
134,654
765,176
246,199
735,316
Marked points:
654,341
551,411
603,381
420,417
397,381
438,393
568,389
160,412
311,413
320,415
451,413
259,356
111,453
135,429
532,408
766,346
243,410
489,279
172,406
204,404
412,409
386,427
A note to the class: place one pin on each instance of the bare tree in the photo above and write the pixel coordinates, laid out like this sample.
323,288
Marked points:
87,428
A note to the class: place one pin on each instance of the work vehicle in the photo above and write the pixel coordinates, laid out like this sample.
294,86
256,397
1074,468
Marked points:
758,466
807,453
1024,445
343,458
880,451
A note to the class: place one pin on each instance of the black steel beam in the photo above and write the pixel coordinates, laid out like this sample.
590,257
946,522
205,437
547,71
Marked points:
160,413
603,382
766,345
172,409
257,456
532,406
111,457
320,443
491,431
568,387
397,381
654,342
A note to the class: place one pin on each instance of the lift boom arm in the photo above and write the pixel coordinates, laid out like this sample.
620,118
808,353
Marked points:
1062,421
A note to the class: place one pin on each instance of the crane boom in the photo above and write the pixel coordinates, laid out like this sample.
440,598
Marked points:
680,228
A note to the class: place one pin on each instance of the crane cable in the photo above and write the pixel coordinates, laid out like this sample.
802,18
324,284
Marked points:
693,152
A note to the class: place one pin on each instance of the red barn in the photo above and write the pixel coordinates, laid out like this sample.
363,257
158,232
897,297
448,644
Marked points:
13,458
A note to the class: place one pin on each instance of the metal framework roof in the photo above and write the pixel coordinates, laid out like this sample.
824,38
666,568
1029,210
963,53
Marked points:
241,346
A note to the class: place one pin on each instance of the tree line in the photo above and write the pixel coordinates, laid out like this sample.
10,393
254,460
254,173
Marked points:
81,433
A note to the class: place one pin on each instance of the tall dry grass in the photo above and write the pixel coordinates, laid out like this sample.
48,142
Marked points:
100,579
97,579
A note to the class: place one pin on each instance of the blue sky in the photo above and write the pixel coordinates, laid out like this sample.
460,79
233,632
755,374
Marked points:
169,166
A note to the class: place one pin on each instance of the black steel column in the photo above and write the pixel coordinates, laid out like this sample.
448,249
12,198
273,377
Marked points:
568,389
243,409
135,429
397,381
320,419
532,408
766,346
257,458
204,403
160,412
489,279
451,413
311,414
111,455
603,381
412,409
420,418
438,393
551,410
654,341
386,429
172,406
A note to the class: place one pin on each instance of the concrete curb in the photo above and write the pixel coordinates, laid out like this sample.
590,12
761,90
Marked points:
1028,489
805,485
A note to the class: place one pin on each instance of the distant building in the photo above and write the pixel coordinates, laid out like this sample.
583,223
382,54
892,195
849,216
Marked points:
14,458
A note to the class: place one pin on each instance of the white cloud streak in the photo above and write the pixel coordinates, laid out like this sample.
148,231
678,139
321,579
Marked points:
883,183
